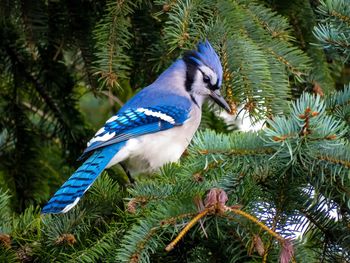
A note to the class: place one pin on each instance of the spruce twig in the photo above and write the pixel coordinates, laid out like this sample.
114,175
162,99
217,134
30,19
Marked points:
215,204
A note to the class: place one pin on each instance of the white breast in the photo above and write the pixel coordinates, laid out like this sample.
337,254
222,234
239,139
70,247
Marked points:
151,151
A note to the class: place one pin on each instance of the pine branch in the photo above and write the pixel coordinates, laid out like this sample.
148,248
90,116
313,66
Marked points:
183,27
112,40
333,30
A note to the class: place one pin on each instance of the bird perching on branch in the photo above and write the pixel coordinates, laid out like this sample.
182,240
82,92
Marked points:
151,129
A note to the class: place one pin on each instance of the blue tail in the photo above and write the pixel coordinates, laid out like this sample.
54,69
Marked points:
73,189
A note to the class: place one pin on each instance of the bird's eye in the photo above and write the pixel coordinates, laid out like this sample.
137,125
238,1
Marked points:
206,79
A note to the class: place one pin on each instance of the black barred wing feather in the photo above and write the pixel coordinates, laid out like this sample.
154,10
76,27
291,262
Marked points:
135,122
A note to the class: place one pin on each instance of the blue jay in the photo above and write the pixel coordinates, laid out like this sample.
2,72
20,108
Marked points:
151,129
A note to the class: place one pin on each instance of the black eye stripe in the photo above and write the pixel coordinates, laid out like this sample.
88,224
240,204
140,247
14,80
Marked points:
206,78
191,69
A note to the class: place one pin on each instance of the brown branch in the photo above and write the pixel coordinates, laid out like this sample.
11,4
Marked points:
340,16
334,160
112,97
260,151
186,229
257,222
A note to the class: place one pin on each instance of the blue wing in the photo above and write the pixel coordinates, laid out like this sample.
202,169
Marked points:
135,122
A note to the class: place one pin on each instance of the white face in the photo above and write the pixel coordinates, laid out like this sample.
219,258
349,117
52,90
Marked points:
203,79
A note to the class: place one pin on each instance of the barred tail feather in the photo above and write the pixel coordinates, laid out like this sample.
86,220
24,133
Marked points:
73,189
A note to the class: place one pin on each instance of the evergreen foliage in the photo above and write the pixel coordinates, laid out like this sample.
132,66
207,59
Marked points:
303,19
279,194
333,29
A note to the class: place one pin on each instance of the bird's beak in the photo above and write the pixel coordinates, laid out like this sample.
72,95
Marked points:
216,96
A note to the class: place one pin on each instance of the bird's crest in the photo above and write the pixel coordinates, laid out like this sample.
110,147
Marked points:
206,55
